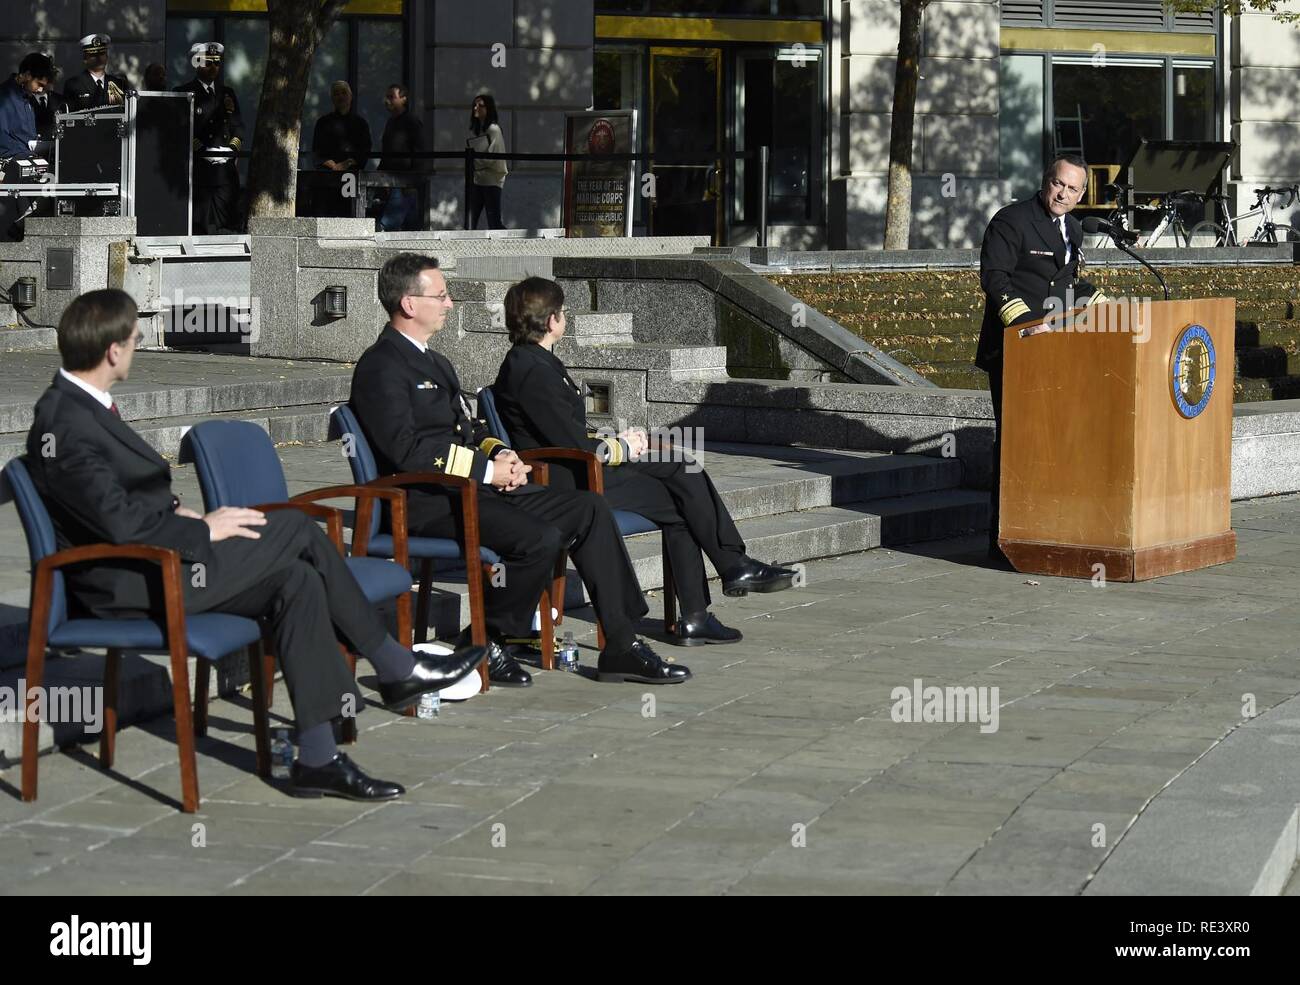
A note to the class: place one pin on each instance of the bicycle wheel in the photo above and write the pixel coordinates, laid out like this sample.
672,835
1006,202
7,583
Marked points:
1208,234
1288,234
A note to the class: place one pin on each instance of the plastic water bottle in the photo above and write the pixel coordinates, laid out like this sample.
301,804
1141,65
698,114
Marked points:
567,658
430,702
281,755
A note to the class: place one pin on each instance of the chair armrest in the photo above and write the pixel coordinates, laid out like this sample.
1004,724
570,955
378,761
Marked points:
468,500
332,516
365,497
541,473
166,558
595,468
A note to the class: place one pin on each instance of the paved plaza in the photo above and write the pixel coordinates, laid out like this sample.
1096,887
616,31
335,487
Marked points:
1124,722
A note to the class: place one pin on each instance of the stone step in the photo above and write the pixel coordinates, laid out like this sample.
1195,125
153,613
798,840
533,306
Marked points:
601,328
21,339
305,424
956,374
680,361
1267,361
173,384
1247,390
912,350
1276,332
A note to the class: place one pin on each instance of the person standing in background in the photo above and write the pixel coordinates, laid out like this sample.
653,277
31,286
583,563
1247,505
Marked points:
155,78
95,87
341,143
217,127
485,137
403,136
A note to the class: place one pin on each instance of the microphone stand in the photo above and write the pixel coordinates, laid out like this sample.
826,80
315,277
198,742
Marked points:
1139,259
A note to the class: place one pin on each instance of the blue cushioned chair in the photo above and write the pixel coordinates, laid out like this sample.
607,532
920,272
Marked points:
345,426
237,465
210,636
629,523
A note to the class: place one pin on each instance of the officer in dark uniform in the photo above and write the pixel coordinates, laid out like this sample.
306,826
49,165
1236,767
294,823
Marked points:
95,87
408,401
47,105
541,406
1029,267
217,126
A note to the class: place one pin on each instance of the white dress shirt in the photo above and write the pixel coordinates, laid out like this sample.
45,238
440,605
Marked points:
102,396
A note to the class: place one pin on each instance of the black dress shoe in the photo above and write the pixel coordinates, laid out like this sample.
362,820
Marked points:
340,777
430,674
639,664
755,576
701,628
503,669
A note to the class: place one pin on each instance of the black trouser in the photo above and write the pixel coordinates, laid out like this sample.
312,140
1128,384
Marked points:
294,579
529,529
216,200
687,507
485,196
995,396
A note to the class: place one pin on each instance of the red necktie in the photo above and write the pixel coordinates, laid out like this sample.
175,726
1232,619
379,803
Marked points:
116,413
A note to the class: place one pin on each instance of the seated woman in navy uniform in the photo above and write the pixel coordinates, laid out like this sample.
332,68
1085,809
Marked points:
542,406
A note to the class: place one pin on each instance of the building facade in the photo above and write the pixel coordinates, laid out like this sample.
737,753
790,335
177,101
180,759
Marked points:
713,81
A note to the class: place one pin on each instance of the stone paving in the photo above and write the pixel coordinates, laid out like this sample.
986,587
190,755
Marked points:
778,769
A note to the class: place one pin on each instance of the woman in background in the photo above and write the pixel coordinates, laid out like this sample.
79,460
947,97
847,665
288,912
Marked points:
489,175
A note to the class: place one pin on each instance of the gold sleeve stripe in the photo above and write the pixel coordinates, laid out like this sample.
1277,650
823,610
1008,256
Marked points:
615,450
1013,310
460,461
489,445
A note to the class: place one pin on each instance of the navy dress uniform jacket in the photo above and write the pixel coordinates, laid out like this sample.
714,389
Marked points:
1022,265
554,413
81,92
416,419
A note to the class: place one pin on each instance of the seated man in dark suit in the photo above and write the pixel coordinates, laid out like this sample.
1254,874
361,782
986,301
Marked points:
408,400
541,406
102,482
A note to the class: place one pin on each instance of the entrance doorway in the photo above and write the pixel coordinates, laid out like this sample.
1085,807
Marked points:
686,141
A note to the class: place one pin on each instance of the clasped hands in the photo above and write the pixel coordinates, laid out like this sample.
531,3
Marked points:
508,470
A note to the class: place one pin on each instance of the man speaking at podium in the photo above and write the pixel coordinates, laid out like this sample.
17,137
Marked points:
1029,266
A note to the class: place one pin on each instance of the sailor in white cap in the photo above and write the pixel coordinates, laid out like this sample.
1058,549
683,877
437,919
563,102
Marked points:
95,86
218,130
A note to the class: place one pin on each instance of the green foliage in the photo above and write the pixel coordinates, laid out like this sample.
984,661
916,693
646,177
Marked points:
1235,8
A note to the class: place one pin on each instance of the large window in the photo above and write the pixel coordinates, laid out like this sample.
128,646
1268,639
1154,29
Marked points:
1103,112
1193,101
366,52
1105,106
779,106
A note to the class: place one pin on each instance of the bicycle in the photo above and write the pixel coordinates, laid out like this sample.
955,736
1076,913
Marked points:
1170,210
1268,231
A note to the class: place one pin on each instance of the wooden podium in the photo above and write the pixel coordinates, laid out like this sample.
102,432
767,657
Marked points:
1118,451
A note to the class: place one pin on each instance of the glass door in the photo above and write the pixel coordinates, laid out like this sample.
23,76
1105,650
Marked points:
779,105
686,139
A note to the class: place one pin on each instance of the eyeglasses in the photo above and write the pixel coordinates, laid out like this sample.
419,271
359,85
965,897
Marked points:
437,297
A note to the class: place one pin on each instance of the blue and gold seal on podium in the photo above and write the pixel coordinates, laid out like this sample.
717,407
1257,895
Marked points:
1193,368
